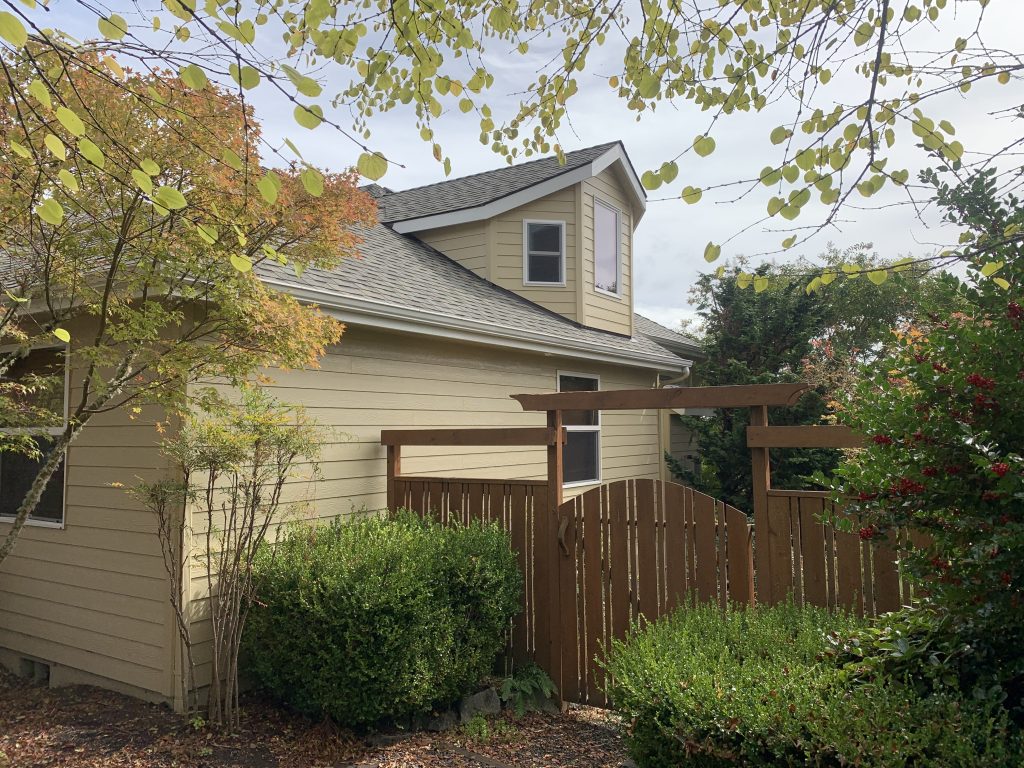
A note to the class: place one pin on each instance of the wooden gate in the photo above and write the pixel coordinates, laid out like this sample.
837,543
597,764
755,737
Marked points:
631,551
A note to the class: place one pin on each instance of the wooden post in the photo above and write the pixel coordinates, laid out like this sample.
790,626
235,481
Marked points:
394,470
762,472
549,652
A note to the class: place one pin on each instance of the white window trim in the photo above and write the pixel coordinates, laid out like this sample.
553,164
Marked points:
577,428
526,253
618,249
53,431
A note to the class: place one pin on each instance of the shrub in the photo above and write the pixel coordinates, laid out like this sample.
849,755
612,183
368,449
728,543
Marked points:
756,687
380,618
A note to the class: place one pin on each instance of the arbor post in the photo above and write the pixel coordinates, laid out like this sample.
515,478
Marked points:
549,651
762,473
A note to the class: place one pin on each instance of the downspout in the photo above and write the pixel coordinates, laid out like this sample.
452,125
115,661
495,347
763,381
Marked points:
665,423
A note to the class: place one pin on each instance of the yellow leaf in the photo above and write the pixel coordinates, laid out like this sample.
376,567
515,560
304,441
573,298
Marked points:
72,122
372,165
68,179
760,283
703,145
309,116
789,242
992,267
56,146
50,211
143,181
313,181
712,252
878,276
1004,284
12,30
91,152
63,335
692,195
113,27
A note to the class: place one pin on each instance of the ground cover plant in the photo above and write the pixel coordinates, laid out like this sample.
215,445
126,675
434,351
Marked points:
756,686
380,618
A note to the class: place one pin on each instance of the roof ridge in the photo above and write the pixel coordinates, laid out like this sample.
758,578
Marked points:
608,144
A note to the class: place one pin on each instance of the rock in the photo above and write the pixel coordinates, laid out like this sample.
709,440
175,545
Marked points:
377,740
546,706
486,702
441,721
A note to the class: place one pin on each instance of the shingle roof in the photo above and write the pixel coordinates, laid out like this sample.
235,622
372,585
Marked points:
478,189
658,332
402,272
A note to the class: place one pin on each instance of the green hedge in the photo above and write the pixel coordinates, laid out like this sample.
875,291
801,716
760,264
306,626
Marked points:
380,618
757,687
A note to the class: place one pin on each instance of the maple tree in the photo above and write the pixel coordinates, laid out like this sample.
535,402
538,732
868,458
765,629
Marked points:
131,235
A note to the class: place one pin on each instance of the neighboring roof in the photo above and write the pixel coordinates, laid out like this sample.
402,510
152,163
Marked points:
487,194
666,337
402,283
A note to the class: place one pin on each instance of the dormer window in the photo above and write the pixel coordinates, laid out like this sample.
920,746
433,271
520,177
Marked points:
607,249
544,253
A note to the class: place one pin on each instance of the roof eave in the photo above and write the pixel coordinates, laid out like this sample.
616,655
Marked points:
396,317
614,154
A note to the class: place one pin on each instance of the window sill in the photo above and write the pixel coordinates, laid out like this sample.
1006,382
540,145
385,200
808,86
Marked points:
33,523
529,284
581,483
609,294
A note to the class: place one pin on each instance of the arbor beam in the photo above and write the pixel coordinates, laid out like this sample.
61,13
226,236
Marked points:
733,396
823,436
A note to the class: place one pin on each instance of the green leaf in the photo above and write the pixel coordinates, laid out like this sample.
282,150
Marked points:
704,145
692,195
775,205
992,267
650,180
50,211
231,159
12,30
668,172
207,232
743,280
649,85
712,252
20,149
863,33
268,189
372,165
247,77
56,147
63,335
1002,283
16,299
68,179
307,86
241,262
41,93
170,198
770,176
149,167
790,212
243,33
780,134
309,117
143,181
760,283
194,77
113,27
789,242
91,152
500,19
313,181
878,276
72,122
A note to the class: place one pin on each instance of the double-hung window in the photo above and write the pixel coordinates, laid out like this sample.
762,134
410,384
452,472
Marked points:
544,252
34,392
581,457
607,249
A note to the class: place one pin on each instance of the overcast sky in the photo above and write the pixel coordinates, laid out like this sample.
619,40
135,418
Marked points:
670,240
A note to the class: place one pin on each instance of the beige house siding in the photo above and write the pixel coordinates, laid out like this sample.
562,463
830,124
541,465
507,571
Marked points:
465,243
600,310
90,599
506,249
377,380
682,444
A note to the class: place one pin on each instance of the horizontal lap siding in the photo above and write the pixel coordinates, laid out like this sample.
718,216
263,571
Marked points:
92,596
506,240
465,243
376,380
609,313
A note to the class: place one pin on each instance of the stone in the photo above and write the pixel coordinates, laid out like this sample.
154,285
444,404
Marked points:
441,721
486,702
378,740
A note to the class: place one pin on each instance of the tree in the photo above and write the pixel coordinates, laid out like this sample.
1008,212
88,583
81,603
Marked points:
944,410
145,267
780,332
853,80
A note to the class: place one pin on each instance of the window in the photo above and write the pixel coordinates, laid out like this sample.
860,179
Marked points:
607,242
544,252
36,385
581,457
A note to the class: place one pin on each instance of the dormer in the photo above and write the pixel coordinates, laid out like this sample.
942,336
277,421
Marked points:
560,235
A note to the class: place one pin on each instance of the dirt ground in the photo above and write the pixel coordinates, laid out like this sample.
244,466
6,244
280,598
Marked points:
83,727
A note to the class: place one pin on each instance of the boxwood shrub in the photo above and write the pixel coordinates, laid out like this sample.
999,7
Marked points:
379,619
757,687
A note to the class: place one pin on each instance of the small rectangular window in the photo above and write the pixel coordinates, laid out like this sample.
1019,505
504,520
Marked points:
544,252
34,387
607,248
581,457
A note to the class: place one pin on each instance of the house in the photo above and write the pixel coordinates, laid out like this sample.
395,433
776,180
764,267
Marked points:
469,290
